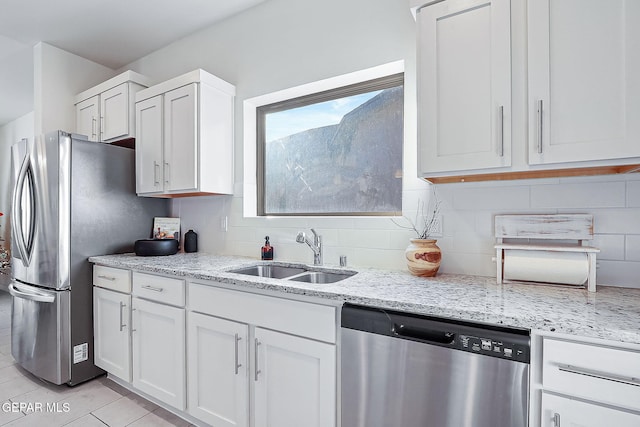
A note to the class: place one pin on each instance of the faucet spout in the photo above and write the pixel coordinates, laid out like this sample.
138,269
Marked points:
315,245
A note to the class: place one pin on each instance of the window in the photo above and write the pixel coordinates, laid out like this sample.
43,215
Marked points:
336,152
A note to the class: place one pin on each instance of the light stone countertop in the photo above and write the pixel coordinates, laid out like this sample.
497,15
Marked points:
611,313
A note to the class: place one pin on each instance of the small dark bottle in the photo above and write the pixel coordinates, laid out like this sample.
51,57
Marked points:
267,250
190,241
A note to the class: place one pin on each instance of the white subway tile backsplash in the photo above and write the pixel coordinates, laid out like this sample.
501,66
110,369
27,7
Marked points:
473,243
467,263
488,198
632,249
618,273
372,239
456,222
581,196
383,259
611,246
616,221
633,194
468,211
484,223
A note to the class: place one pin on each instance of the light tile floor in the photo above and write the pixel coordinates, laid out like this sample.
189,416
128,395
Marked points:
30,402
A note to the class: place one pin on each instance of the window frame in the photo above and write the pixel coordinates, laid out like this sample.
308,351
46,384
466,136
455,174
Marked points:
365,86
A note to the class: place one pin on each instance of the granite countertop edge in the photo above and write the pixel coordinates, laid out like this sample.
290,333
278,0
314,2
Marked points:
611,313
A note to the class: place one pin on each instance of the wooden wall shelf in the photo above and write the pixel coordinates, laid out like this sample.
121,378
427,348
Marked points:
532,174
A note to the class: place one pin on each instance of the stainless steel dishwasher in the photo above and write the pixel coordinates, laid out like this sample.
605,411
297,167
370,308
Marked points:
406,370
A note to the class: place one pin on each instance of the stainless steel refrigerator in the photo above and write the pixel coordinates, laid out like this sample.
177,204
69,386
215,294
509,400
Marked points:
71,199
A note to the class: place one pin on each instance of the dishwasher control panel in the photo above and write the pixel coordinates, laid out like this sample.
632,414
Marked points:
487,340
490,346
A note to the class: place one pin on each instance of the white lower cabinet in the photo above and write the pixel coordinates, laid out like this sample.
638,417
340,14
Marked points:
230,359
158,337
111,325
218,367
558,411
252,367
294,381
589,384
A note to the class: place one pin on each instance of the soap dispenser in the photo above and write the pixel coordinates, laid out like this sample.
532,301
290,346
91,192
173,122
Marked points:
267,250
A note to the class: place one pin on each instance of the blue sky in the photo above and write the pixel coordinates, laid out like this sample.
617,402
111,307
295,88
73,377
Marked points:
312,116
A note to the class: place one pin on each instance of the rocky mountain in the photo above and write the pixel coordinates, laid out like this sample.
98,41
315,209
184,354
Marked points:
354,166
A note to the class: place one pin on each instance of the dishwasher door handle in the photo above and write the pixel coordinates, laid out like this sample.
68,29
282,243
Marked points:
422,334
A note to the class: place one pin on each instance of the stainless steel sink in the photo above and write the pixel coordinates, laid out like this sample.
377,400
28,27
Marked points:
321,277
270,270
293,272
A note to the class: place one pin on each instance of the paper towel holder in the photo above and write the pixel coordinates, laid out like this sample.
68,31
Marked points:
540,228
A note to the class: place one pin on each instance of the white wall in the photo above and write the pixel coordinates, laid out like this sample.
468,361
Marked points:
10,133
284,43
58,77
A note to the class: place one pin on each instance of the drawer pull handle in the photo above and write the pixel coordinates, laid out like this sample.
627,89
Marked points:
601,375
109,278
556,420
153,288
238,365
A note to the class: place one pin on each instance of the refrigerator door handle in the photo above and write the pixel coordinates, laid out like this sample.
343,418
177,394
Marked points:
24,243
38,296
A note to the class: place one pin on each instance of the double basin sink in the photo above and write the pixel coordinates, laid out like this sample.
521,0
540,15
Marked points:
296,273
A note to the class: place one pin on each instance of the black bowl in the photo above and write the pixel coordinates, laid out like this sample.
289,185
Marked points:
155,247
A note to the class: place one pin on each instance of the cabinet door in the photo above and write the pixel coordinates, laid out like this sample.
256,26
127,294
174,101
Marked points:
112,340
149,145
114,113
560,411
87,115
294,380
464,85
584,80
181,139
217,370
158,337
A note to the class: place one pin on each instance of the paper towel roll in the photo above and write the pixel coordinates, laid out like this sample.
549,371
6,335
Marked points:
571,268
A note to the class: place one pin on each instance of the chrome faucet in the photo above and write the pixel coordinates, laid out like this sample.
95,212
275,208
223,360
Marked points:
316,245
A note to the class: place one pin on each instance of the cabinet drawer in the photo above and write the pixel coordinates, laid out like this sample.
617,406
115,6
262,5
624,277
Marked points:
295,317
116,279
603,374
157,288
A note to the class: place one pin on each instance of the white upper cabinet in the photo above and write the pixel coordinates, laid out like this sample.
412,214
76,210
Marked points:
114,120
584,80
149,130
511,89
180,124
87,116
105,113
464,85
184,137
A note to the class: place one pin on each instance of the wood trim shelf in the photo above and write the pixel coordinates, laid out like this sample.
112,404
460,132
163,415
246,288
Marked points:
532,174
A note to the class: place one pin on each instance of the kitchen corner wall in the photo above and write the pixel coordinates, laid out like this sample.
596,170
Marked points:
284,43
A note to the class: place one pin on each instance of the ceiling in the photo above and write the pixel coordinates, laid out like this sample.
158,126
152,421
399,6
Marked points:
110,32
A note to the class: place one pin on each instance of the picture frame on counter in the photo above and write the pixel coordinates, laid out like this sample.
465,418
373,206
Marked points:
166,228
